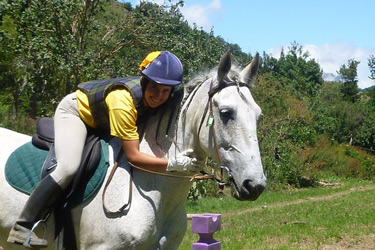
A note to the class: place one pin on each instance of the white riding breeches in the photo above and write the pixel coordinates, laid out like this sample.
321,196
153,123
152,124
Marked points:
70,138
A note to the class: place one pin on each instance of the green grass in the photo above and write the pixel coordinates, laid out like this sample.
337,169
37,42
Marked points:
278,221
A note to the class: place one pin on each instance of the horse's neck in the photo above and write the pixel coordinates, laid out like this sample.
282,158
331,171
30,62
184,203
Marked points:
190,132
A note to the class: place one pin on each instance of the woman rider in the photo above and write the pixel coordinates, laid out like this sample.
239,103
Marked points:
109,105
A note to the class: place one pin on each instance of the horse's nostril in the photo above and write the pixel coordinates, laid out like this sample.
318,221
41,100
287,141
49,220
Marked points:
251,189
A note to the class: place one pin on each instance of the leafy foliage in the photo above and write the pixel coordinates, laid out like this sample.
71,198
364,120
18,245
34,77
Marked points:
371,64
298,113
350,84
55,45
302,76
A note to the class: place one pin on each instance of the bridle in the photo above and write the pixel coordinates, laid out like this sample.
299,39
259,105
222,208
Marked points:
210,122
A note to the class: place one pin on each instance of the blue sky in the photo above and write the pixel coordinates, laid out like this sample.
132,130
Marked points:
333,31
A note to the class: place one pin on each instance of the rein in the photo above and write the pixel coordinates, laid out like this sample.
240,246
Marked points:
205,176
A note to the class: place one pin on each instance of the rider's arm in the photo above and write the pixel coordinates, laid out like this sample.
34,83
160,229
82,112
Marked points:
136,157
123,117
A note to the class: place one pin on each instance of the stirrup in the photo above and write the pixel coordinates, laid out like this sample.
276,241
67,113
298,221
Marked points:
28,238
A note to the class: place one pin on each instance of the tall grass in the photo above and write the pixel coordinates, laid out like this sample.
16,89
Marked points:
329,158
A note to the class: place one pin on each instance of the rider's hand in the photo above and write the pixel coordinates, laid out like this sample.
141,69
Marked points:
183,162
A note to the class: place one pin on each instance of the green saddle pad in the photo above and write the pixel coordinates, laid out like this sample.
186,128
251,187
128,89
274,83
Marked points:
23,168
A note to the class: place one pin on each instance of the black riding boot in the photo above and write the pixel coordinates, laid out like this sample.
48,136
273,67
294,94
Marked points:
42,199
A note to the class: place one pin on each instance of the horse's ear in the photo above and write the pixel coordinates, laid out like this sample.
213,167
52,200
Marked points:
224,66
249,74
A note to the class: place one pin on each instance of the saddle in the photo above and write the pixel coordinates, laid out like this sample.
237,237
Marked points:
31,162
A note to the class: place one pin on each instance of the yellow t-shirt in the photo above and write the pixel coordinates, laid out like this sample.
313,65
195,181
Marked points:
121,110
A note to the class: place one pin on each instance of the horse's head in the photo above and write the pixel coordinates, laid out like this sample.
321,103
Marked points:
235,115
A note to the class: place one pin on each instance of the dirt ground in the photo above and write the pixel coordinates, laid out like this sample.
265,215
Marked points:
359,243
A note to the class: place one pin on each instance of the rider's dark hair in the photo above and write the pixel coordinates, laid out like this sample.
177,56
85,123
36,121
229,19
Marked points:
144,82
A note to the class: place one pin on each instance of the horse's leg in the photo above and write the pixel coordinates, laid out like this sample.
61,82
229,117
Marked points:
174,234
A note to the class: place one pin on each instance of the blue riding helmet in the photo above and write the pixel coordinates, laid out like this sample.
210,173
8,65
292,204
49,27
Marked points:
162,67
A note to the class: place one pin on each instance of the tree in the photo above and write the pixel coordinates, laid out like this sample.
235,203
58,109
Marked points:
49,47
301,74
166,29
350,81
54,45
268,64
371,65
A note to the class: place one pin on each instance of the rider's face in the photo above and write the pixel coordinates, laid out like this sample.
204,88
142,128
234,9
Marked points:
156,94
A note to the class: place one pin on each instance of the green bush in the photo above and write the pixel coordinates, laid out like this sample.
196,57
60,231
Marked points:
205,188
22,124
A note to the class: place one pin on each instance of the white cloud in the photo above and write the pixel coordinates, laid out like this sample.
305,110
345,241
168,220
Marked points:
200,14
331,56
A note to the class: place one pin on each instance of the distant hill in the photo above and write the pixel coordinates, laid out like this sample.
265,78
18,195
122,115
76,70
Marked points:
368,89
330,77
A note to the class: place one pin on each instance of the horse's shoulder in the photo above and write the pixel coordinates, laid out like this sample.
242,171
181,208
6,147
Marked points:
7,133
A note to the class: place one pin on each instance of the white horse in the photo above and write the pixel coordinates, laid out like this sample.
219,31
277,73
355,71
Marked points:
156,217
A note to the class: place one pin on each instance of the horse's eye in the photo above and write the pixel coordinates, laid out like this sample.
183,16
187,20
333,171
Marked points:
226,115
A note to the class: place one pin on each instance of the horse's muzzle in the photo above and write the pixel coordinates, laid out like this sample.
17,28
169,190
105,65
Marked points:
250,190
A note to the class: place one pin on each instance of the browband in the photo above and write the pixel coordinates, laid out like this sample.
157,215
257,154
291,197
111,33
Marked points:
219,87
